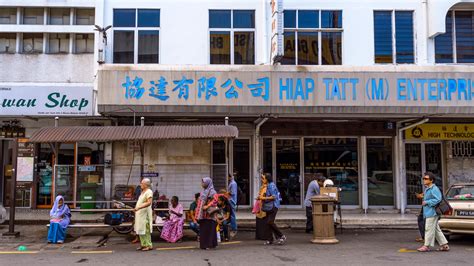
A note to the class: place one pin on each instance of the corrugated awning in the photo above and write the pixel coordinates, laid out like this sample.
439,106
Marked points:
118,133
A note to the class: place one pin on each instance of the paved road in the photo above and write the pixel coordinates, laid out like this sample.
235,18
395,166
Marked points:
357,247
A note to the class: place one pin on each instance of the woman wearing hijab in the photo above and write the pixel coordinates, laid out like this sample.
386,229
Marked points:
60,219
207,223
144,216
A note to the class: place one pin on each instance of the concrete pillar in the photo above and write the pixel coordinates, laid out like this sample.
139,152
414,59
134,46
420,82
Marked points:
108,171
363,172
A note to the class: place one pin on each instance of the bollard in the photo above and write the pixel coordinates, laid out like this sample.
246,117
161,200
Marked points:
323,221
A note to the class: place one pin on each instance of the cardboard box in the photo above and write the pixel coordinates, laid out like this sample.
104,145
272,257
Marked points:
330,191
93,179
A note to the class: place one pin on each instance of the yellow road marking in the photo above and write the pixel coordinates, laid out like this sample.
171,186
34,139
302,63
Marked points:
404,250
176,248
231,243
195,247
93,252
18,252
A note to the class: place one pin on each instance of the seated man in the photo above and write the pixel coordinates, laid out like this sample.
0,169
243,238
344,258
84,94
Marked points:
173,227
194,225
60,219
224,219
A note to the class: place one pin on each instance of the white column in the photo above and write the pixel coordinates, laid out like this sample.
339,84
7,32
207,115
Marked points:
108,171
255,166
363,173
396,172
401,188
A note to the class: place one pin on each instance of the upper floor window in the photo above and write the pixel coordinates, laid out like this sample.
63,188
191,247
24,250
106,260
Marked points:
7,43
33,16
8,15
139,26
232,37
84,16
398,48
32,43
59,16
84,43
312,37
58,43
457,44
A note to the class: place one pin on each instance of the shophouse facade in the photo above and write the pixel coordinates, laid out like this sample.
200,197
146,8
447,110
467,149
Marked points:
370,94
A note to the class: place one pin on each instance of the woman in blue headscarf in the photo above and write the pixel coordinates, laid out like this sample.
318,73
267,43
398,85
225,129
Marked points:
60,219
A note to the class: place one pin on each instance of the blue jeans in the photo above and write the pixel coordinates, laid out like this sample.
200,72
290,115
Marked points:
225,228
233,219
195,227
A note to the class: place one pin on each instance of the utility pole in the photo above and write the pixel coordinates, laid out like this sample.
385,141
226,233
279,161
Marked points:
11,223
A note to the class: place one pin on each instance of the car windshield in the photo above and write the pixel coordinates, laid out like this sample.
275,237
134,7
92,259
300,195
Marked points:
461,193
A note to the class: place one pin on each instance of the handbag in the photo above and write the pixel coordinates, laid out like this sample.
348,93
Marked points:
443,207
211,210
257,206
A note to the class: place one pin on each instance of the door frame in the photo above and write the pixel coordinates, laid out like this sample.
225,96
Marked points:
274,168
53,172
231,167
423,165
394,166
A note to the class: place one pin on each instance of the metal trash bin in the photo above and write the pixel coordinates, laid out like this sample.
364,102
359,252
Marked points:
323,222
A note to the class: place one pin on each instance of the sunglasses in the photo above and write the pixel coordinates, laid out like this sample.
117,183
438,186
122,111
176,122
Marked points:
424,178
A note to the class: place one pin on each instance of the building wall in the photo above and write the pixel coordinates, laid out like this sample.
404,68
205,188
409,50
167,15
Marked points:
460,170
181,165
68,68
184,33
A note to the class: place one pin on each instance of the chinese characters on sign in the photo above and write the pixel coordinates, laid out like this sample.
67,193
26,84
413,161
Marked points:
206,88
303,89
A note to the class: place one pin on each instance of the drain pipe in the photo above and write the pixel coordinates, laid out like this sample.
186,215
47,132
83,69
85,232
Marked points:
401,164
258,165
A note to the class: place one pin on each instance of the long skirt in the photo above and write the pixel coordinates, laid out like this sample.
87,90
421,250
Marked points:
261,230
207,234
56,233
172,230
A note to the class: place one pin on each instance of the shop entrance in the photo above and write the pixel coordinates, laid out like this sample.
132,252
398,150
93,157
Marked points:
420,158
288,172
24,173
44,173
241,169
336,159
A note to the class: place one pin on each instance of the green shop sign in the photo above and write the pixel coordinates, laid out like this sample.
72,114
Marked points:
46,100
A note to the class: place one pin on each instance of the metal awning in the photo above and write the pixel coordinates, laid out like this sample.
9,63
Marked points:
124,133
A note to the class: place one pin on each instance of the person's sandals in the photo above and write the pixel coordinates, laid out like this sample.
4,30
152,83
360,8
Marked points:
147,248
419,239
282,240
444,248
424,249
136,240
140,248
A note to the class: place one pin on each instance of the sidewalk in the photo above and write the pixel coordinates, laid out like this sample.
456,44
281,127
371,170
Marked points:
295,219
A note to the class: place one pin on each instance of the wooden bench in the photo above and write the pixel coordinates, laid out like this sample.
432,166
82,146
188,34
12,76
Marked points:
123,228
